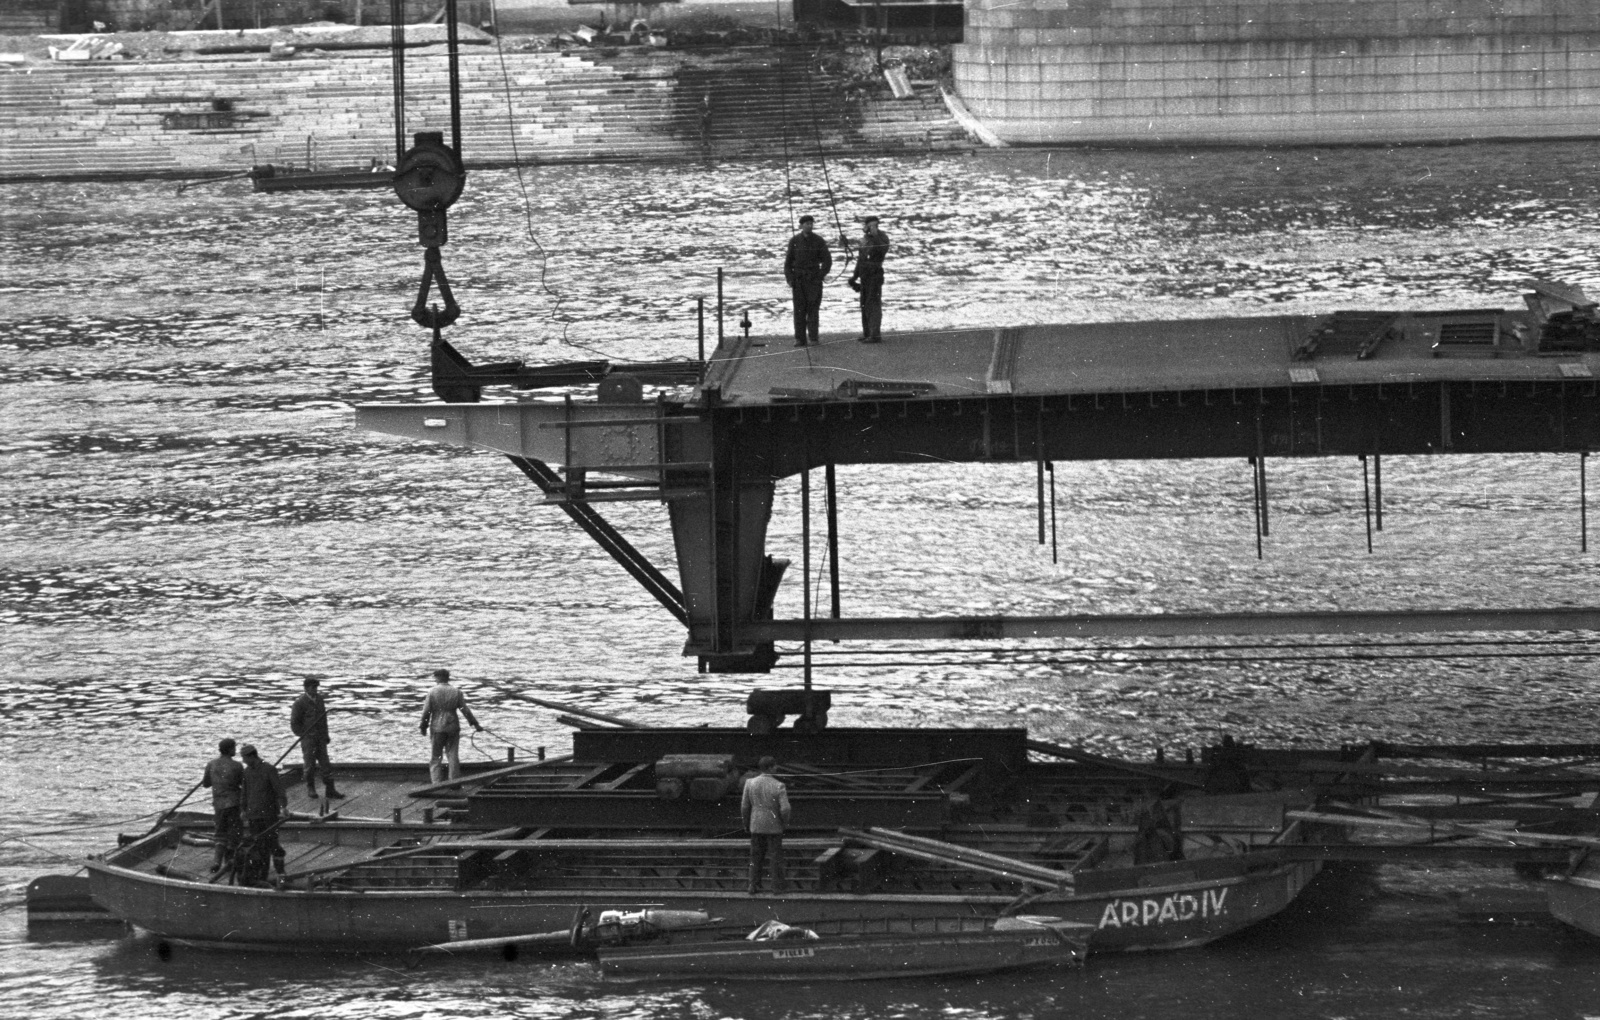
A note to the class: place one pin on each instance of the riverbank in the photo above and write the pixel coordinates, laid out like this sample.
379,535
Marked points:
522,103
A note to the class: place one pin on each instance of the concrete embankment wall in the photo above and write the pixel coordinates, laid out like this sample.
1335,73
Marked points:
1281,71
219,115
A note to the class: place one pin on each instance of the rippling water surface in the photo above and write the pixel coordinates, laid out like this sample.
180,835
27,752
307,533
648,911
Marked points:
192,525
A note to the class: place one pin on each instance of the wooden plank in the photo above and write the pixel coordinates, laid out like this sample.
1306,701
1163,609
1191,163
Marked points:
481,777
962,853
625,845
612,784
1397,821
1438,772
574,710
507,856
1085,758
951,855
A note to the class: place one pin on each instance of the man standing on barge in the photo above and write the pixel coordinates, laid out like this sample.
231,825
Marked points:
805,266
225,778
765,807
308,718
439,715
264,802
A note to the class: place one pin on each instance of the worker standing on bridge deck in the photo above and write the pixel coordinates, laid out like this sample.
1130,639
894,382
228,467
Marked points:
439,715
805,266
867,280
765,807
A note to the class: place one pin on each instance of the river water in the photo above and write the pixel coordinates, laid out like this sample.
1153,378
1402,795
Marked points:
192,525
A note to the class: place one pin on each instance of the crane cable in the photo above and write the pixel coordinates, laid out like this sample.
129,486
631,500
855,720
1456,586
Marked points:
527,203
783,125
816,133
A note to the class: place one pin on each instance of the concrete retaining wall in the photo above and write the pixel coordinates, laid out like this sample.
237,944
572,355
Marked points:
1281,72
217,115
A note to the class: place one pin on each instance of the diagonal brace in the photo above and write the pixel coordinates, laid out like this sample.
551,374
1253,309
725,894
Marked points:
609,539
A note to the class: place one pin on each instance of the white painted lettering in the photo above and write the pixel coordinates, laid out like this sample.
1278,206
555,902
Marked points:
1109,918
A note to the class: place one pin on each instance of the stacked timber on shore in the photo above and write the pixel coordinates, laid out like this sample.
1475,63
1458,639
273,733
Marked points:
1291,72
181,118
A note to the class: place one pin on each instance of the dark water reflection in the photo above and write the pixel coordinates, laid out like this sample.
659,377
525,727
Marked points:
192,525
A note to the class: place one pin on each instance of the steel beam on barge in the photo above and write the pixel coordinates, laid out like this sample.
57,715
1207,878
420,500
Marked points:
979,628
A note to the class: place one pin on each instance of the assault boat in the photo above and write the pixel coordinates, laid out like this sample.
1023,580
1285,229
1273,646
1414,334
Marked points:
850,950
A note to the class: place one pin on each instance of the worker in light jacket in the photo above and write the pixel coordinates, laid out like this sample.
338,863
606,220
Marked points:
765,807
439,717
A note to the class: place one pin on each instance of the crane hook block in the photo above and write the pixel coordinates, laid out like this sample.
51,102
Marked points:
429,179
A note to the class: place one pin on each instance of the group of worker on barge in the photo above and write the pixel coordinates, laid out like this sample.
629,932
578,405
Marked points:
249,798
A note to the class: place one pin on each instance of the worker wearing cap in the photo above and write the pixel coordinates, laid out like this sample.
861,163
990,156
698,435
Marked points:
867,280
805,266
439,715
308,720
225,778
264,803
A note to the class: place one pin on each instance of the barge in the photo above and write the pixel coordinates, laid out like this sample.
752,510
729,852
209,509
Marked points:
888,826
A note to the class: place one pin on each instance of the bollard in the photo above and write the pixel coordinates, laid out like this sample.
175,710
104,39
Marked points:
541,752
511,756
397,813
427,816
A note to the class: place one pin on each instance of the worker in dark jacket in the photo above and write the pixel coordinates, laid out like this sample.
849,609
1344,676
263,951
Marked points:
805,266
867,280
225,778
308,719
264,803
765,807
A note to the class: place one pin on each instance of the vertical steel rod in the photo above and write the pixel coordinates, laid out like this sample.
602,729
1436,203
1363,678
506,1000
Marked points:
453,42
700,319
1038,457
1255,502
1366,499
805,563
1050,467
1261,469
1583,501
397,57
719,306
833,536
1377,486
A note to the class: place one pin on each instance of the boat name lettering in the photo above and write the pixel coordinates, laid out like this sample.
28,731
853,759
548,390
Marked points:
458,930
792,954
1144,913
1039,940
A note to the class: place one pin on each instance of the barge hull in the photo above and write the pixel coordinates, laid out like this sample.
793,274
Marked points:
1171,916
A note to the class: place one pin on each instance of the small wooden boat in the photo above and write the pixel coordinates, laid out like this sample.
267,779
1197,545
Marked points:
851,950
272,177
